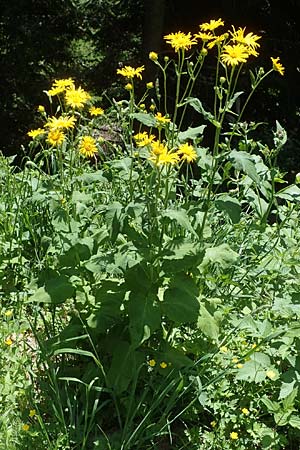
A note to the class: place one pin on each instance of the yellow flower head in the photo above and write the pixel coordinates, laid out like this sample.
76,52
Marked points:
187,153
235,360
223,349
204,36
249,39
41,109
233,55
32,413
234,436
88,146
8,341
217,40
54,91
153,56
8,313
158,148
152,362
128,87
96,111
164,158
63,84
180,40
161,120
143,139
76,98
35,133
25,427
239,366
55,137
60,123
245,411
150,85
152,107
211,25
163,365
277,66
130,72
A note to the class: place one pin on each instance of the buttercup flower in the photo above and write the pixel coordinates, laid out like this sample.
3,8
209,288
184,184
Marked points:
152,362
130,72
153,56
88,146
277,66
234,54
55,137
234,436
96,111
76,98
187,153
32,413
35,133
245,411
163,365
180,40
211,25
25,427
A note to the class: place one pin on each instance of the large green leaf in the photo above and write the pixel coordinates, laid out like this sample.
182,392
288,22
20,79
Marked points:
208,324
181,217
222,255
230,205
56,289
181,303
145,119
197,105
144,316
191,133
243,161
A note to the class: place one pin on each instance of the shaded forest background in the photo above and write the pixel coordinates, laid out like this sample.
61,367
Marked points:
42,40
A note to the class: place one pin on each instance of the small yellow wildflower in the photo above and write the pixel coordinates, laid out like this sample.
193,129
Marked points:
153,56
223,349
163,365
277,66
142,106
180,40
161,120
249,39
88,146
35,133
63,83
8,313
211,25
130,72
152,107
239,366
271,374
55,137
41,109
128,87
32,413
234,436
217,40
60,123
8,341
235,360
187,153
96,111
76,98
245,411
150,85
204,36
152,362
25,427
234,54
213,424
143,139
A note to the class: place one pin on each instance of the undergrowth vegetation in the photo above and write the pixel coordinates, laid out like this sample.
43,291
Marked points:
149,283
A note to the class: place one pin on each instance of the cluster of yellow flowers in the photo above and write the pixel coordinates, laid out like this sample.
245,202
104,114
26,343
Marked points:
160,154
55,128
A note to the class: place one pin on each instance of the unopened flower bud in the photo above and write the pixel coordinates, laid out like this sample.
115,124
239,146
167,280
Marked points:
153,56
